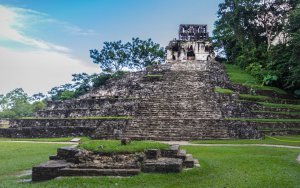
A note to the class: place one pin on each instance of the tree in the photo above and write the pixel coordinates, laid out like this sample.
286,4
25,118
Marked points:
272,17
17,103
37,97
56,92
247,31
293,29
144,53
82,83
137,54
113,57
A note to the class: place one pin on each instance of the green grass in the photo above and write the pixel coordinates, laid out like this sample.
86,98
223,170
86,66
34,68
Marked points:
272,112
275,105
274,140
85,118
220,167
65,139
223,90
239,76
265,120
153,75
254,97
16,157
114,146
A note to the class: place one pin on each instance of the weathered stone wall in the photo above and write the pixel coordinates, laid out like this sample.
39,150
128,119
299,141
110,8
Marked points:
46,132
173,101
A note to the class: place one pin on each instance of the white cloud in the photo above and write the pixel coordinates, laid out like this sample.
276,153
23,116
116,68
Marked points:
43,64
13,20
37,71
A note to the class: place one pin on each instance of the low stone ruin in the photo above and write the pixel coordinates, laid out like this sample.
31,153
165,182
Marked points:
71,161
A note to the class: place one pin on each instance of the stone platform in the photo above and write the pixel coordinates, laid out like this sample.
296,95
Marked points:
71,161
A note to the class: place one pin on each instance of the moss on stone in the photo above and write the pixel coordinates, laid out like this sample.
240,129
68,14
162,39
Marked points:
262,120
114,146
223,90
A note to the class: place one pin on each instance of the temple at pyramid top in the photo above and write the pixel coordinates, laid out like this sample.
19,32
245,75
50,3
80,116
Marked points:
193,44
193,32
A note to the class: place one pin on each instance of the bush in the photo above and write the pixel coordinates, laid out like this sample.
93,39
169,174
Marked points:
256,70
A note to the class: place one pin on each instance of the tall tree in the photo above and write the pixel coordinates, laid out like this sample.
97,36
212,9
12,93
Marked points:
137,54
145,53
113,57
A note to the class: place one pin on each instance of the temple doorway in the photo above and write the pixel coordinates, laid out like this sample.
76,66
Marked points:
190,53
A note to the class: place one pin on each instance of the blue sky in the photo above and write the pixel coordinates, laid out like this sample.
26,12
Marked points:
42,42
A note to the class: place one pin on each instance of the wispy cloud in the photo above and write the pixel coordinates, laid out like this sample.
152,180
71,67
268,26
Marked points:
14,21
42,64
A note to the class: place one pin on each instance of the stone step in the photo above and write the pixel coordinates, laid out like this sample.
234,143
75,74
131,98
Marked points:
181,155
189,161
48,170
162,165
196,162
98,172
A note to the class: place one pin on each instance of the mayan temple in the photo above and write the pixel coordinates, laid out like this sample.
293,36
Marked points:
172,101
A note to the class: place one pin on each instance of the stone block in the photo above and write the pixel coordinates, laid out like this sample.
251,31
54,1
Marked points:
48,170
171,152
125,141
189,162
98,172
162,165
152,154
67,153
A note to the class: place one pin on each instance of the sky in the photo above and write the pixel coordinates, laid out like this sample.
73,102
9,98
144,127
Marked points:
43,42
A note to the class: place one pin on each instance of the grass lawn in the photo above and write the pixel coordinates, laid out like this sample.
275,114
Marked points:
65,139
239,76
15,157
114,146
274,140
220,167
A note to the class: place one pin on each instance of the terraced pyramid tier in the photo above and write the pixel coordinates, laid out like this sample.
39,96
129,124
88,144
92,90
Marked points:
173,101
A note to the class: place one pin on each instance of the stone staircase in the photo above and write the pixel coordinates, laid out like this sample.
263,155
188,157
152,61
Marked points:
173,101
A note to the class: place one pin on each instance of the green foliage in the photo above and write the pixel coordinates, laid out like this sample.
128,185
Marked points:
240,76
113,57
18,104
297,93
101,79
269,79
114,146
144,53
137,54
255,69
66,95
245,31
